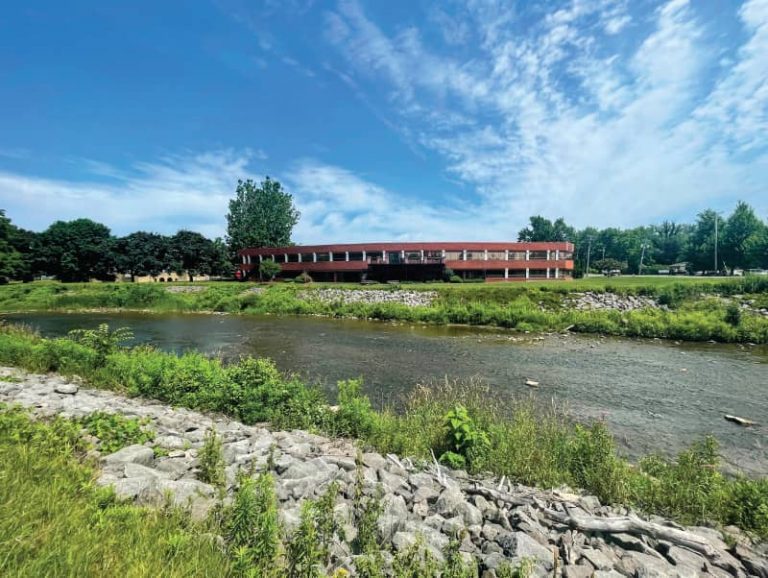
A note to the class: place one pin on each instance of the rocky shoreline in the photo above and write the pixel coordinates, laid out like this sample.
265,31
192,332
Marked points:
565,533
371,296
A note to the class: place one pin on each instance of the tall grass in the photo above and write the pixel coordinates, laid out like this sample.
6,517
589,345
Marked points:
527,443
55,522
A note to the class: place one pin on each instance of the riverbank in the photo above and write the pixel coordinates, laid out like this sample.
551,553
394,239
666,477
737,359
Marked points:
723,311
372,514
460,423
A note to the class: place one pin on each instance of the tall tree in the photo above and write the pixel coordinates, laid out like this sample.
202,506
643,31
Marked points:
701,246
12,262
741,230
143,253
542,229
77,250
260,216
192,253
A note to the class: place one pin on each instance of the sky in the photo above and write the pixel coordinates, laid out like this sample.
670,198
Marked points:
397,120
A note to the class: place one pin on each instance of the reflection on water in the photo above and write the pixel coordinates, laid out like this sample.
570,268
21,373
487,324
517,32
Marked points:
656,396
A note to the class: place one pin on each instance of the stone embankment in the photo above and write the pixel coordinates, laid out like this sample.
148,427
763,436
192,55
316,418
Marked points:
592,300
346,296
566,534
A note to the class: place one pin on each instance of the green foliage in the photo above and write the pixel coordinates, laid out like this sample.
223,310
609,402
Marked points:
192,253
143,253
101,340
55,522
211,460
453,460
305,551
253,529
116,431
303,278
524,569
260,215
455,279
269,269
355,416
733,315
77,250
416,561
465,439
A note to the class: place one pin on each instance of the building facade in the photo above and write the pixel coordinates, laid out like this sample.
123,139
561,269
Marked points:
416,261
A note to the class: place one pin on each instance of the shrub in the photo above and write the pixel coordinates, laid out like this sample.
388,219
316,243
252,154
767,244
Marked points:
733,315
303,278
101,340
115,431
464,438
211,459
354,417
455,279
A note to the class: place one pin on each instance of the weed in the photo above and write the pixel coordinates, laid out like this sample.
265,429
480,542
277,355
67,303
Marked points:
211,459
116,431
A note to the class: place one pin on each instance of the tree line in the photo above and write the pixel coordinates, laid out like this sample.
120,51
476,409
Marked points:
264,215
742,243
260,215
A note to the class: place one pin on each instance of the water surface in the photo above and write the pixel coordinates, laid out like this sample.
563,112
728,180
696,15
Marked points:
656,396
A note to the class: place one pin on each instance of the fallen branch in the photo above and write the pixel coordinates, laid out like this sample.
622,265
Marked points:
634,525
504,497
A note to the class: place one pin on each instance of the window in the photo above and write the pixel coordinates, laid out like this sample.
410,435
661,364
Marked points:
454,255
339,256
306,257
293,257
475,255
497,255
355,256
517,255
323,257
538,255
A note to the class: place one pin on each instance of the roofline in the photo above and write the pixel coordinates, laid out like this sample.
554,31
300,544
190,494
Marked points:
413,246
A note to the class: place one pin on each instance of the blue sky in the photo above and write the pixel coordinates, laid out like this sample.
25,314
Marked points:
386,120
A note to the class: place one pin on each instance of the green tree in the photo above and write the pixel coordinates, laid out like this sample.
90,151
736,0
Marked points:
742,228
701,246
12,262
192,253
221,263
143,253
269,269
757,249
542,229
609,264
260,216
77,250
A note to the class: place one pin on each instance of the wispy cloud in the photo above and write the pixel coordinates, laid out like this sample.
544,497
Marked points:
559,115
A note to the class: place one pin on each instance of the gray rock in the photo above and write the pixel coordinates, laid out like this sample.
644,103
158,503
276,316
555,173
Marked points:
132,470
753,562
174,468
135,454
172,442
597,559
403,540
469,513
66,388
521,545
393,517
132,488
391,482
448,502
425,494
578,571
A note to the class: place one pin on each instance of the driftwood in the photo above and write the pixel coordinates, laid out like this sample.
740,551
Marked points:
491,494
740,420
634,525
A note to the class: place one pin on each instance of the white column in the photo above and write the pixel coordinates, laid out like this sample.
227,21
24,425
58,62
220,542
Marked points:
506,273
547,254
547,272
300,260
365,257
464,255
330,255
402,255
527,255
422,255
286,257
442,254
557,273
261,258
485,255
346,255
274,258
314,257
557,255
527,273
506,255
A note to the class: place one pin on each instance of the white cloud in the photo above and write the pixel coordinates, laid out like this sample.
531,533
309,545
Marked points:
560,117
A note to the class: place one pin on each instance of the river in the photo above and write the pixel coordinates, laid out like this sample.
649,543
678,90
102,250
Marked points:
655,395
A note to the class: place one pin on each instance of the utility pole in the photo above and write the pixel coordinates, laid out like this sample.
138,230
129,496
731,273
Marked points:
716,217
642,256
589,249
